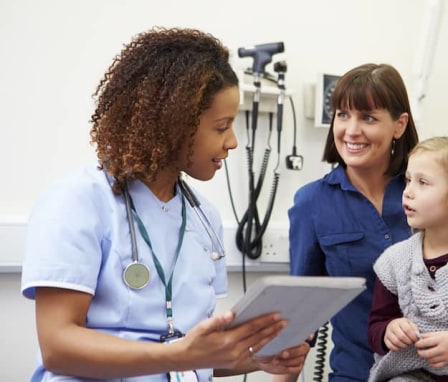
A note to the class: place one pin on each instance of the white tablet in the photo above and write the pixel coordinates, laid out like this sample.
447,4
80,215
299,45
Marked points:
307,302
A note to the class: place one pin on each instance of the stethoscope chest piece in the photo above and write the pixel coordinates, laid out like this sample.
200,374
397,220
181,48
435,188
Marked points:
215,256
136,275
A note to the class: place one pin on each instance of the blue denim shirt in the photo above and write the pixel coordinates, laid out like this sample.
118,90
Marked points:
337,231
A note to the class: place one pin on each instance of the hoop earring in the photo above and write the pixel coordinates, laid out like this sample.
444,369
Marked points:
392,151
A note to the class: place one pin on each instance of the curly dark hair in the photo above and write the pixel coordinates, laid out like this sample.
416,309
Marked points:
150,100
368,87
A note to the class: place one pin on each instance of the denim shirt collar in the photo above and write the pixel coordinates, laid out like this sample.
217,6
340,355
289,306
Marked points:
338,177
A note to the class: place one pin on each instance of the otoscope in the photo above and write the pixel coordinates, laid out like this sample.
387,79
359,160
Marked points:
262,55
280,68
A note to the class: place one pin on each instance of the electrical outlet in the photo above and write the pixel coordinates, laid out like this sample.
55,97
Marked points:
233,255
275,245
294,162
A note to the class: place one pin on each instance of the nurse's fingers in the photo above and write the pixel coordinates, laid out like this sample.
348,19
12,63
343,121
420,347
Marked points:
270,322
259,327
215,324
253,333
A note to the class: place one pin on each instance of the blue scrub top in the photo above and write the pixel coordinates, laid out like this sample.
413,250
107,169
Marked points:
337,231
79,239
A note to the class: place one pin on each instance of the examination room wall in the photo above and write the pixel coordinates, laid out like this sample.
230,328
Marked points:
54,53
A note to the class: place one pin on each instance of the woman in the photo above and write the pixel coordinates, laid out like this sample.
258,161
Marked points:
341,223
121,268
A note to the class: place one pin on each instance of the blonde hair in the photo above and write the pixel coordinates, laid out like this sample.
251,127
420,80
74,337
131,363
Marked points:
438,145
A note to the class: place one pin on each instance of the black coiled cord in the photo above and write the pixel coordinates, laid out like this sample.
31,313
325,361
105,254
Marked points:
250,230
321,352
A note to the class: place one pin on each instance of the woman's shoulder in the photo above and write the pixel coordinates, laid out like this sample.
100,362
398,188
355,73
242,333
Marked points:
90,176
316,189
88,186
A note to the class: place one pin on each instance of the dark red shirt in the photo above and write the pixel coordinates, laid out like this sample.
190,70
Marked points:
385,308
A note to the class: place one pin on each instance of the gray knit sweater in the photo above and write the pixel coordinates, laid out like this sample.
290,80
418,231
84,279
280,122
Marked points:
422,299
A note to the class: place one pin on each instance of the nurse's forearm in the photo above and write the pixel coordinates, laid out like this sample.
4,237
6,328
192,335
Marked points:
94,354
69,348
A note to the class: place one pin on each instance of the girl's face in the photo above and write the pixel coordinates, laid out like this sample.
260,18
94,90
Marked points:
214,137
425,198
364,139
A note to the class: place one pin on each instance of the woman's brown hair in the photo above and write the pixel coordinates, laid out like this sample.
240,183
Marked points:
368,87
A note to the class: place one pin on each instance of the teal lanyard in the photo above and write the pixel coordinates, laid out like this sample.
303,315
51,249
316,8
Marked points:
160,272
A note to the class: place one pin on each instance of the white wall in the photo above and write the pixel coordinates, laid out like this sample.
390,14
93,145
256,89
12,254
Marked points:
54,53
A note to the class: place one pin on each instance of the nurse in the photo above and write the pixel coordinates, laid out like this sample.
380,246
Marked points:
123,272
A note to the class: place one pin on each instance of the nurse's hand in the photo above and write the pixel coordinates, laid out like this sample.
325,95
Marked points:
290,361
211,345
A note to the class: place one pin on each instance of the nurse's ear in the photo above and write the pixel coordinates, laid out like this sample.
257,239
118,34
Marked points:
400,125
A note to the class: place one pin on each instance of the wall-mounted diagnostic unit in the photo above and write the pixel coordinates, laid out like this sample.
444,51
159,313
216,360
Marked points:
325,86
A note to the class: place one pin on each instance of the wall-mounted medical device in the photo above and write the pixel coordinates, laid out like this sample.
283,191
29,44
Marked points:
268,94
261,54
325,86
256,89
251,225
317,99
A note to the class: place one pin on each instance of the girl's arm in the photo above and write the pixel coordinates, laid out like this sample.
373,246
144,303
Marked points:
385,308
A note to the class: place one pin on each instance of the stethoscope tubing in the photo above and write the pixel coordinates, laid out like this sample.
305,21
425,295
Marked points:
131,224
196,206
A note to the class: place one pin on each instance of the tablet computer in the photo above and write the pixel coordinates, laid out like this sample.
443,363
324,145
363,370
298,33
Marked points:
306,302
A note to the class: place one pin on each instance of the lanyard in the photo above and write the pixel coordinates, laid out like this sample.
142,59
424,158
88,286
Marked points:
159,268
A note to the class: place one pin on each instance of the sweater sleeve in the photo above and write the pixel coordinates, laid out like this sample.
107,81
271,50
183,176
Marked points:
385,308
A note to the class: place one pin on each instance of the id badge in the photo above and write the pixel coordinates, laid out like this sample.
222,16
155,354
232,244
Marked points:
183,376
178,376
167,338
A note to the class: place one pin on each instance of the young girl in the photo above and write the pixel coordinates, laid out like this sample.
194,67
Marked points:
408,326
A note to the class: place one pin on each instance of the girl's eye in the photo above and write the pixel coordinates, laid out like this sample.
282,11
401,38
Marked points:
341,114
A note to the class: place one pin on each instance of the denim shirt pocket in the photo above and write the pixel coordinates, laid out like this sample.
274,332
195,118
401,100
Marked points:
341,249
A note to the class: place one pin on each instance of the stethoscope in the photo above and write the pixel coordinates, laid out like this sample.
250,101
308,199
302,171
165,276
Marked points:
136,275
